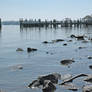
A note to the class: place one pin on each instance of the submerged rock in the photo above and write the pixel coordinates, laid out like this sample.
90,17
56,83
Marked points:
84,41
58,40
67,61
48,86
19,49
31,49
87,88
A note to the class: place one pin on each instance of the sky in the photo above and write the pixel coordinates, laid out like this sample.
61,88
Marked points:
44,9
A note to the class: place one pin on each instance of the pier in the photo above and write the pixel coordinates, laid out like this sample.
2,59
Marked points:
54,23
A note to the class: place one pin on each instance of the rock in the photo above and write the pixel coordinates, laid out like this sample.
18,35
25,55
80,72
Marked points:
52,77
45,80
90,66
87,88
48,86
81,47
65,44
80,37
89,57
31,49
66,77
19,49
67,61
58,40
45,42
69,41
73,36
34,84
88,79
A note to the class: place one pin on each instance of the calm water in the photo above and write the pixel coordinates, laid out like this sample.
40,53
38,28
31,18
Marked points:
39,63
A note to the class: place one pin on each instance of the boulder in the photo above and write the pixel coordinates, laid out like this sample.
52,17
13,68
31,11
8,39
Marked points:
58,40
31,49
67,61
52,77
19,49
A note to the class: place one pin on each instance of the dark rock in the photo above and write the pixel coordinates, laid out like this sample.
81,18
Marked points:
52,77
89,57
19,49
45,42
58,40
73,36
48,86
65,44
81,47
90,66
67,61
42,80
34,84
80,37
31,49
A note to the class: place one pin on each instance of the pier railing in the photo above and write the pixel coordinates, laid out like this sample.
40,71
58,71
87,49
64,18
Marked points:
54,23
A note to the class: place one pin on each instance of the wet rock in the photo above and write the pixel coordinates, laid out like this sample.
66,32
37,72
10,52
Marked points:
19,49
45,42
87,88
31,49
34,84
67,61
66,77
65,44
71,79
58,40
73,36
48,86
42,80
81,47
52,77
88,79
90,66
80,37
89,57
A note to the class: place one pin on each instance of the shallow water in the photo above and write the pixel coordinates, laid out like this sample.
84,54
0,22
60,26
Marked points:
40,63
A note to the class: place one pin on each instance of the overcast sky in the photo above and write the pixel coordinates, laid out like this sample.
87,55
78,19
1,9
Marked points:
44,9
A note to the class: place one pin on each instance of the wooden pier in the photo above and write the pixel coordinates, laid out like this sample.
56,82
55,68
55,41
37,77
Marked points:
54,23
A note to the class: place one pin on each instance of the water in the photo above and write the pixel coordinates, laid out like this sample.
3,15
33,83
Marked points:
39,63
